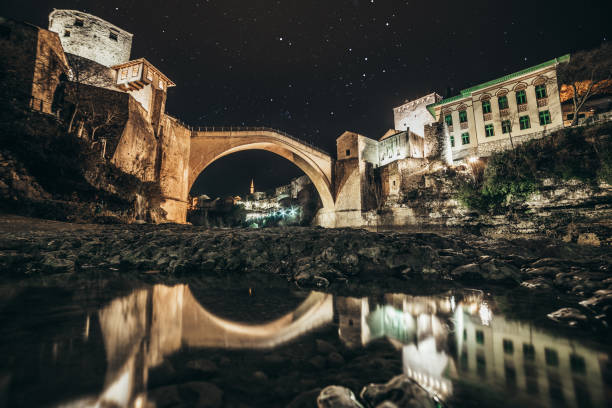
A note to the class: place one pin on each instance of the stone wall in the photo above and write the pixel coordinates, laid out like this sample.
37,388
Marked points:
175,143
437,143
91,37
414,115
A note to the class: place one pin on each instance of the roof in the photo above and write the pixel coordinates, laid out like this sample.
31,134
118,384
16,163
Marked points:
389,133
469,91
144,61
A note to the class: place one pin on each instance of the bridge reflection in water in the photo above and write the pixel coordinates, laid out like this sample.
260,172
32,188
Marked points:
444,342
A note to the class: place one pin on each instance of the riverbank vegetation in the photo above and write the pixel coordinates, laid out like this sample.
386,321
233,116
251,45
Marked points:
509,178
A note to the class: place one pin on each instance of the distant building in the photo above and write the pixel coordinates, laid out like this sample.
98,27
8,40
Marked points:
483,119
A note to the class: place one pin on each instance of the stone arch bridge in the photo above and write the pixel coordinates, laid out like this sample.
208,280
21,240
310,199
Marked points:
201,147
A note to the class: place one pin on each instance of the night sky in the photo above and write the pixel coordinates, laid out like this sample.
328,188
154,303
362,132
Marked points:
317,68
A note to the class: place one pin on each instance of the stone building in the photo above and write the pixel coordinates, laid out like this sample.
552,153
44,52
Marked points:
33,61
493,115
414,115
91,37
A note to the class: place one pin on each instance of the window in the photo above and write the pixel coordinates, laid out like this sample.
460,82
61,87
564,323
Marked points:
481,364
508,346
463,116
78,22
452,138
489,131
545,118
486,106
570,116
449,119
161,84
465,138
525,123
135,70
551,356
503,102
577,364
66,33
529,352
348,152
521,97
149,75
506,126
113,36
541,91
124,73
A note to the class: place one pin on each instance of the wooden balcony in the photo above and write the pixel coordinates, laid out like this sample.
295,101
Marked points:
464,125
542,102
487,116
522,107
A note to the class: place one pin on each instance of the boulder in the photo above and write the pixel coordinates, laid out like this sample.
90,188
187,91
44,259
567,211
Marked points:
400,391
335,396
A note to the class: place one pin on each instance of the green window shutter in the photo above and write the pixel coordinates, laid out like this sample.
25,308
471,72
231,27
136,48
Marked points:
489,130
545,118
503,102
486,106
463,116
521,97
506,126
449,120
525,123
465,138
541,91
452,139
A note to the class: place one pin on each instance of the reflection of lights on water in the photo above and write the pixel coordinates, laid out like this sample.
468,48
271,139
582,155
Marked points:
139,402
485,314
86,334
452,302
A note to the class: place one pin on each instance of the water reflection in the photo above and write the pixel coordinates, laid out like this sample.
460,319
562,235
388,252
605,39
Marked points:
453,345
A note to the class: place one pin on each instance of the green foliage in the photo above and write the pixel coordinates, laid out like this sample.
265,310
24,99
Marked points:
510,177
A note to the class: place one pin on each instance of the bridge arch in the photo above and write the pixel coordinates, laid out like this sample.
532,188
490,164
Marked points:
208,146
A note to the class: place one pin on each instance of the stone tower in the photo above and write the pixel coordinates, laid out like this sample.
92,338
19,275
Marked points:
91,37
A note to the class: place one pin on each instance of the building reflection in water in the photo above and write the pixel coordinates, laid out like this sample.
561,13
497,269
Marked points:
444,342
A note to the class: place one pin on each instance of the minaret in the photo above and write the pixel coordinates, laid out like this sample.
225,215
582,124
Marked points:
252,187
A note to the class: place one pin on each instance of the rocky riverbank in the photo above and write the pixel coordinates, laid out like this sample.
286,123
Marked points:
336,260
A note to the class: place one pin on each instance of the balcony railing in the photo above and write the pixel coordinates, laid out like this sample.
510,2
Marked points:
522,107
487,116
504,112
450,128
464,125
542,102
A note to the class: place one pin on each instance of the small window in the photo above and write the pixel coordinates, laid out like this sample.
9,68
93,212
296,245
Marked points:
78,22
124,73
463,116
481,364
529,352
465,138
452,140
149,75
581,116
449,119
545,118
506,126
393,183
570,116
503,102
525,123
541,91
508,346
577,364
113,36
486,106
161,84
66,33
521,97
551,356
489,131
135,70
348,152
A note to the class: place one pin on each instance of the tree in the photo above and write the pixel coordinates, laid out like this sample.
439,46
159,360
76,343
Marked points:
587,73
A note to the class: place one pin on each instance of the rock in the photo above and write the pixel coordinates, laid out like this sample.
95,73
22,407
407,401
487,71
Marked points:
165,396
306,399
317,362
588,239
469,271
601,301
207,394
203,365
401,391
568,315
537,284
335,396
324,347
335,359
543,271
